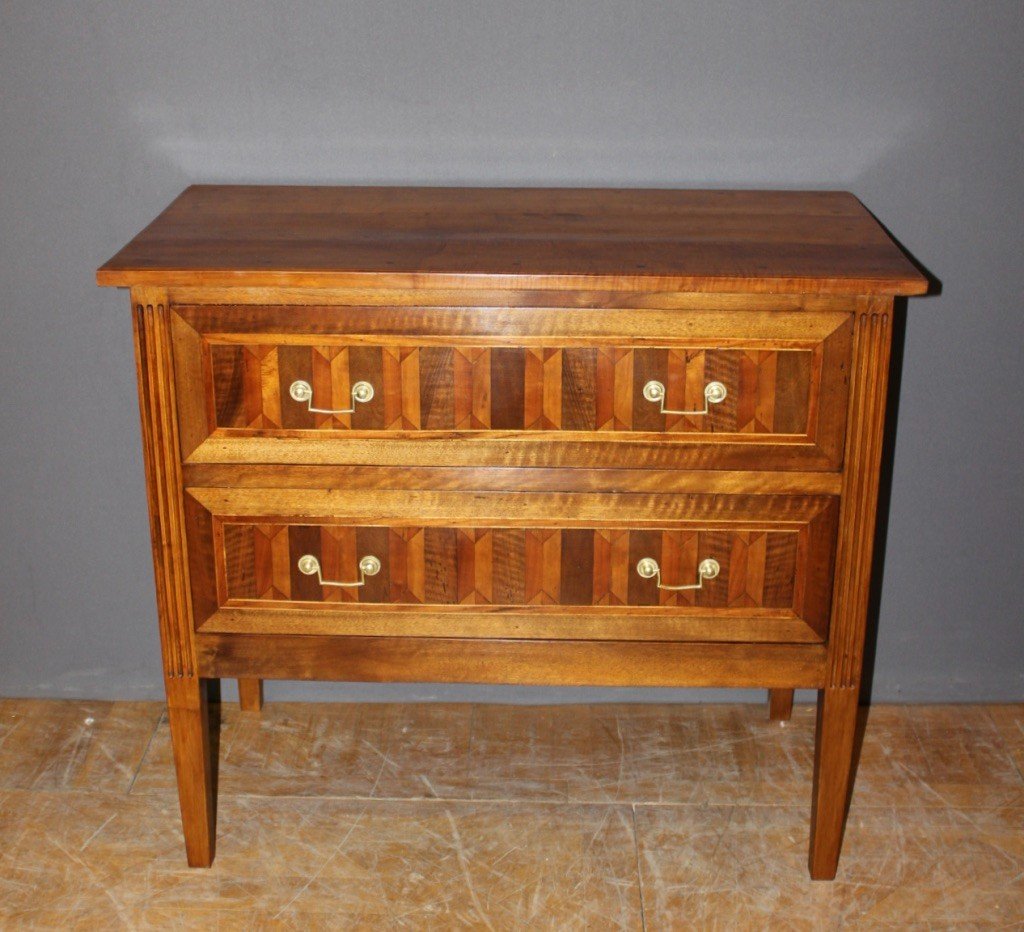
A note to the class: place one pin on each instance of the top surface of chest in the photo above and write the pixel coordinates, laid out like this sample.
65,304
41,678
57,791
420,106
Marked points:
817,242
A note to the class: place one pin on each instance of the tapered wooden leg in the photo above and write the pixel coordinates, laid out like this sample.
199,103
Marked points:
190,737
837,702
780,705
187,700
250,694
833,762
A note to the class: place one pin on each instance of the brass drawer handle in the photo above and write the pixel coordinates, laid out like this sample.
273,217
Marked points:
302,391
714,393
708,569
310,566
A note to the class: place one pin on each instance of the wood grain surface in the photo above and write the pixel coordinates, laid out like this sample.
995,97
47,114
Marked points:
838,699
480,660
510,381
510,566
515,388
186,691
493,565
811,242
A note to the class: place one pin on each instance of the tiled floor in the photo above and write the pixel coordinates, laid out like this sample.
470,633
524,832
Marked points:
508,817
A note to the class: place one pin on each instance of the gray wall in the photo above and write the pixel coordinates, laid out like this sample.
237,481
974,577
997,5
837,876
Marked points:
108,109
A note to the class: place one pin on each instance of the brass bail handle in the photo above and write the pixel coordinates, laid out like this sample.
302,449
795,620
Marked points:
302,392
648,568
310,566
714,394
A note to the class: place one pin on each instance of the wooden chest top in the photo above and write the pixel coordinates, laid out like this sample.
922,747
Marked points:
780,242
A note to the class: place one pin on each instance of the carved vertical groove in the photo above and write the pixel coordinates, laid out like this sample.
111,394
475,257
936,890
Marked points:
872,341
163,479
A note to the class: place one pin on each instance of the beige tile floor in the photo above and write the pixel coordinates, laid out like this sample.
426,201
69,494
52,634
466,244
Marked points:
505,817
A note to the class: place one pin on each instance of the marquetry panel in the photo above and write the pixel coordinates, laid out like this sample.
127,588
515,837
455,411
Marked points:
541,564
510,566
516,386
479,388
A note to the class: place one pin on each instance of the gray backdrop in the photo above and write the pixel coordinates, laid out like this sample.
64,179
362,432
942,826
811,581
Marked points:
108,109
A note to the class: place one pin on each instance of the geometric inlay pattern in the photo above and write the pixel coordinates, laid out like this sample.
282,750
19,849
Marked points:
466,388
511,566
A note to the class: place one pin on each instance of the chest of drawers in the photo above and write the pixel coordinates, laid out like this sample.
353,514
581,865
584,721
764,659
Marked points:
535,436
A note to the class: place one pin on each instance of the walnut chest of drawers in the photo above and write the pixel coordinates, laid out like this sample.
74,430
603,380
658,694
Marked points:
542,436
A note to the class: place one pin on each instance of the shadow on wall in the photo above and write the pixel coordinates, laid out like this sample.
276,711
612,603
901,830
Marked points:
899,335
230,152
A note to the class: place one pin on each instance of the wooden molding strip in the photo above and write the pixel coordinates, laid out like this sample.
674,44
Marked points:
525,662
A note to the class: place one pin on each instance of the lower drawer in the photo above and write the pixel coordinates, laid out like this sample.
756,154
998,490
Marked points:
507,565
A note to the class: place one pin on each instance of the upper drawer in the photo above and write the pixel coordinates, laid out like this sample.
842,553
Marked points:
512,387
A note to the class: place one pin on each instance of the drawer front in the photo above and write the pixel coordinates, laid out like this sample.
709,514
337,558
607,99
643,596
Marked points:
440,387
547,565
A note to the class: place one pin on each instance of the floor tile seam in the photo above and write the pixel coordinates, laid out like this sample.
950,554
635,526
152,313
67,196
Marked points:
436,800
83,792
859,808
149,744
525,800
171,793
512,801
639,871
